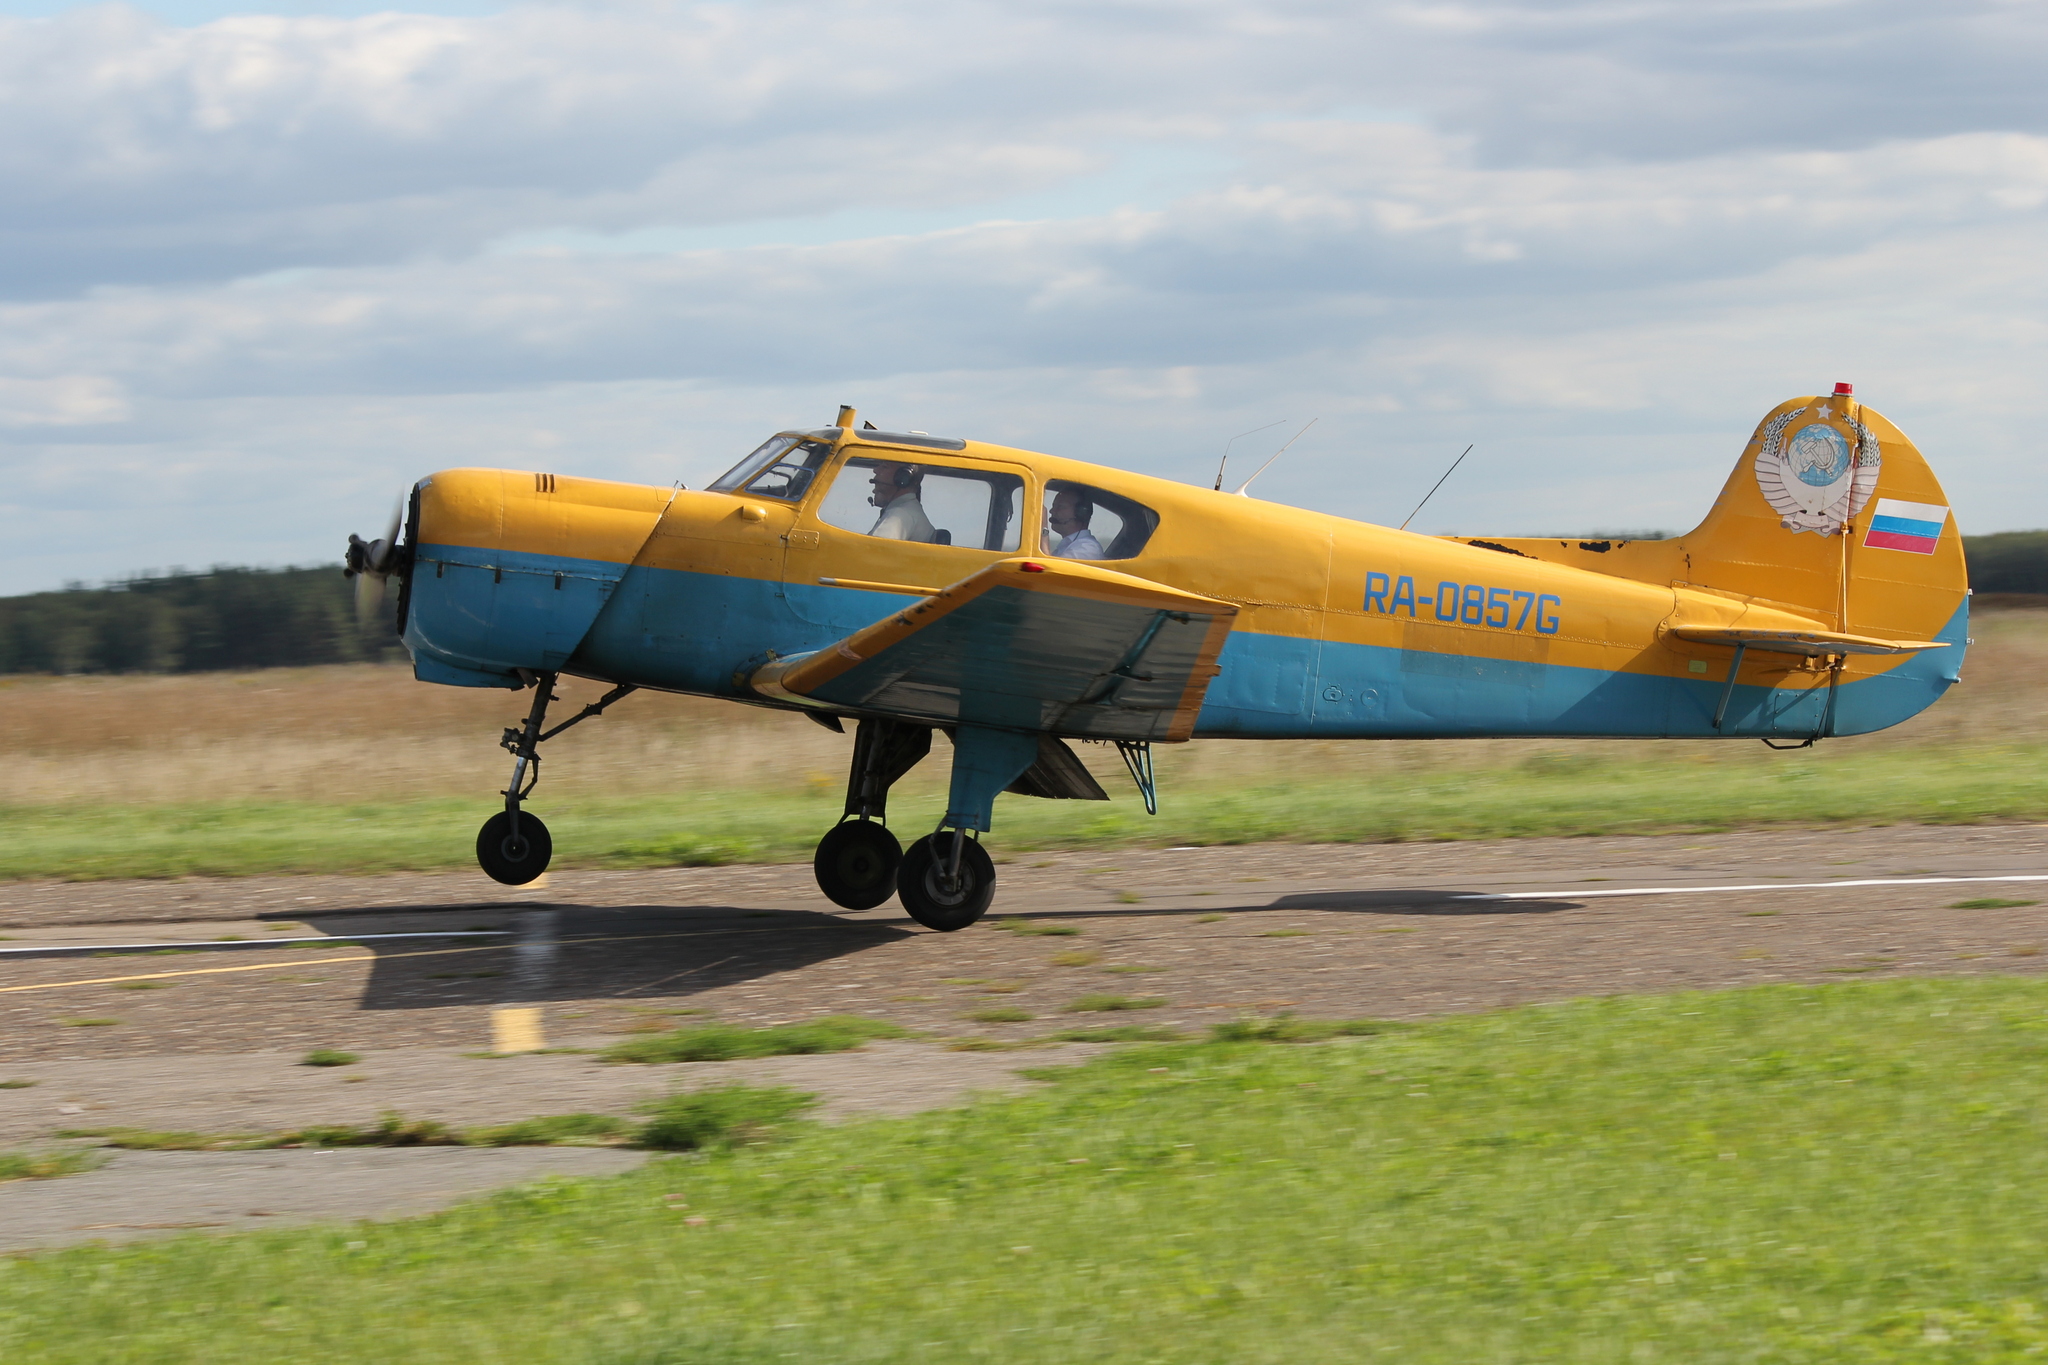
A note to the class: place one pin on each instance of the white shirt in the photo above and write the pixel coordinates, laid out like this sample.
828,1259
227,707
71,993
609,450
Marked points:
904,519
1080,545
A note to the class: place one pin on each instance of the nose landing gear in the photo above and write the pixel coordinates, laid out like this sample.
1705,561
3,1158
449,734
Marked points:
514,847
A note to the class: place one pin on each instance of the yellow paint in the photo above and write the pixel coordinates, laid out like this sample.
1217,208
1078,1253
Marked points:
1294,572
516,1028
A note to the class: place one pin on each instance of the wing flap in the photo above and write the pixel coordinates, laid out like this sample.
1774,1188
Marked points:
1049,645
1812,643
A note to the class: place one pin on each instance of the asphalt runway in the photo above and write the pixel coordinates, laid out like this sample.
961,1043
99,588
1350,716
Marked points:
407,970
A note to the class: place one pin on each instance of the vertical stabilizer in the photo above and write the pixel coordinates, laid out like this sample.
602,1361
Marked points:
1833,513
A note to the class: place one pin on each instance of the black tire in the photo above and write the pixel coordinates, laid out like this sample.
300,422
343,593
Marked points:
515,862
856,864
921,885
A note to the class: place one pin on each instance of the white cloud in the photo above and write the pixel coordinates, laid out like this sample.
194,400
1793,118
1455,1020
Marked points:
266,268
65,400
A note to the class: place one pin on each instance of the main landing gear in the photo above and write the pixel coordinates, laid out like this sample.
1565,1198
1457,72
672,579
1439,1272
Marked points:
514,846
857,860
946,879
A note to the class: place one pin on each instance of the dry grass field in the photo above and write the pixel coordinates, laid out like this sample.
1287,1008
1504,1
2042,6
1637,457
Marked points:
101,761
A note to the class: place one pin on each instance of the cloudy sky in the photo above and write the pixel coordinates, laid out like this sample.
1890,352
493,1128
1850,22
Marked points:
260,270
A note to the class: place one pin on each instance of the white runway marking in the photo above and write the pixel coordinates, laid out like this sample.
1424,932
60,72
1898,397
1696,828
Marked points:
1761,886
229,945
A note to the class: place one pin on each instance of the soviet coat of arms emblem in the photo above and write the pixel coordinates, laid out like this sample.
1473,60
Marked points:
1816,476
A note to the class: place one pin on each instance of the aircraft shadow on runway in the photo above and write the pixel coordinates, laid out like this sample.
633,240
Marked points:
572,952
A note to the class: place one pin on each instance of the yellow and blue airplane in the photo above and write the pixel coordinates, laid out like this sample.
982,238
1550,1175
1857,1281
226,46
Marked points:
1016,601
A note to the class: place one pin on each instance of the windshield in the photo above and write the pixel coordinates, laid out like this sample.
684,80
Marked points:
763,456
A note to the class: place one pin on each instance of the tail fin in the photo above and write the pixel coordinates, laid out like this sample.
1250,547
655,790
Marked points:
1831,520
1832,513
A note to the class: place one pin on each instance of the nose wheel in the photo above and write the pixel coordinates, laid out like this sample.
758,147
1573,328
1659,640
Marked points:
514,854
946,881
856,864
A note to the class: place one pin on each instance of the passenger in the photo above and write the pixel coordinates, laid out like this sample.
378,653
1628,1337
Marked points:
897,486
1069,519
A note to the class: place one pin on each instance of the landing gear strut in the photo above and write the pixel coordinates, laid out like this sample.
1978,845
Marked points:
514,846
857,860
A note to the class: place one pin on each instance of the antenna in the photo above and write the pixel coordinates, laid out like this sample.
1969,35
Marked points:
1438,484
1274,456
1233,441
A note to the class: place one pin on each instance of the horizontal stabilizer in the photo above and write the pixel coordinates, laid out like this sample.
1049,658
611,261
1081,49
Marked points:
1812,643
1051,645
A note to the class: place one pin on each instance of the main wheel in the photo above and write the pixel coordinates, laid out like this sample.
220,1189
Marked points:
931,898
513,861
856,864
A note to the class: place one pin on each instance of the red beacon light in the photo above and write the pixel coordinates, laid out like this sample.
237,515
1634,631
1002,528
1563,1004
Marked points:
1028,567
1844,390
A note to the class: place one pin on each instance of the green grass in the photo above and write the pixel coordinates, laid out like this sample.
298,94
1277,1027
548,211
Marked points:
1589,790
726,1042
1118,1033
161,1140
327,1056
1035,928
45,1165
1288,1029
1989,903
999,1014
16,1085
1097,1003
556,1130
723,1117
1853,1173
392,1130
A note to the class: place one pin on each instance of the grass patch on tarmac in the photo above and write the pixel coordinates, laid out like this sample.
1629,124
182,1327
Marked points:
1584,791
729,1042
1849,1173
717,1117
45,1165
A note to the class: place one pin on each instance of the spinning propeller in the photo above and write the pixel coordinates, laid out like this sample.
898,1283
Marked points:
371,563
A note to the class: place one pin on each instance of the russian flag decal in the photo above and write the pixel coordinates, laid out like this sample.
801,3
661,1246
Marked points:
1911,526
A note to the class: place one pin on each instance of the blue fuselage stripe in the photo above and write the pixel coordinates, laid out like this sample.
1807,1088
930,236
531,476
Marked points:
705,633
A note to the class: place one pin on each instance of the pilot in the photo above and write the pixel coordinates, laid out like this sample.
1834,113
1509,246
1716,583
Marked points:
897,488
1069,517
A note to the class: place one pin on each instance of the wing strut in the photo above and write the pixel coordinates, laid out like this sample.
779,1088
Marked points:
1137,755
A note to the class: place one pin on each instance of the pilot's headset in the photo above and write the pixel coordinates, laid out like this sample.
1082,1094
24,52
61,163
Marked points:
906,475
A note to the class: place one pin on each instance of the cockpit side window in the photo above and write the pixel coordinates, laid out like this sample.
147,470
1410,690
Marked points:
925,501
782,467
1086,522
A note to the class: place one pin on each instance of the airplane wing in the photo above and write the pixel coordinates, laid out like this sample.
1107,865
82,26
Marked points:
1808,642
1026,644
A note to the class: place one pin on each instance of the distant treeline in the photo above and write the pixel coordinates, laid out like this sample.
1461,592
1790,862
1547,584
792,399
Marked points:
2011,561
222,618
272,618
